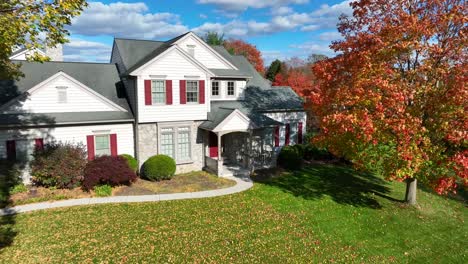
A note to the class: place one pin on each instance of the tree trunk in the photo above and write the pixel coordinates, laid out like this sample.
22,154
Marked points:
410,196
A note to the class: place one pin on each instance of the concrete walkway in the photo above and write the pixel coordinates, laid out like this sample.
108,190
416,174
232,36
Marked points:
242,184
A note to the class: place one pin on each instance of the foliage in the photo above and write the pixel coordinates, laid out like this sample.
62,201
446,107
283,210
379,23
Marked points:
273,70
103,190
132,162
290,158
395,99
312,152
108,170
159,167
58,165
313,58
302,212
249,51
213,38
34,25
19,188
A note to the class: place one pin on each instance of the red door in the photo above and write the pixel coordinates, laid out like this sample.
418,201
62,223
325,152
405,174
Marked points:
213,145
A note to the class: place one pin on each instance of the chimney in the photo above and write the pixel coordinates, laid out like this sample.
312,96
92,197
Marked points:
55,53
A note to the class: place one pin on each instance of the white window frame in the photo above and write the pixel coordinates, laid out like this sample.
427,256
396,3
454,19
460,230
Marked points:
187,91
95,144
176,126
62,94
219,89
227,89
164,91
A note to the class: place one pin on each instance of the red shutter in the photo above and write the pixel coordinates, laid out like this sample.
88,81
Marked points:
169,92
113,143
90,144
288,132
299,133
11,150
201,83
213,143
39,143
148,100
183,93
277,136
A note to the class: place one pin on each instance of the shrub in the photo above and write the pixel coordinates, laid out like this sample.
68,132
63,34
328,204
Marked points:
58,165
159,167
107,170
290,158
19,188
312,152
132,162
103,190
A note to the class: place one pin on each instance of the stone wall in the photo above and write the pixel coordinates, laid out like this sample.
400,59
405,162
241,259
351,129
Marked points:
148,146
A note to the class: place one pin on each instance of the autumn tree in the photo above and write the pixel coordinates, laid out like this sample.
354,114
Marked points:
273,70
34,25
213,38
313,58
251,53
395,100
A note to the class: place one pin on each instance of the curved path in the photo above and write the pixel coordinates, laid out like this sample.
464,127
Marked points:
242,184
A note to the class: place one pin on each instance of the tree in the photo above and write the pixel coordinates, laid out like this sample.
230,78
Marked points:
273,70
395,100
213,38
313,58
25,22
251,53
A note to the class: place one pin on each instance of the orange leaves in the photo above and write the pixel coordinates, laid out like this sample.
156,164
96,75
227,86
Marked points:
251,53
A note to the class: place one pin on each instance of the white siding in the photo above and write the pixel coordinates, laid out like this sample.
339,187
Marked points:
22,55
72,134
45,99
235,123
239,91
172,66
292,118
202,54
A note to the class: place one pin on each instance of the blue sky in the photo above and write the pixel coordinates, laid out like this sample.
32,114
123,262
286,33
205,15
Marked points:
279,28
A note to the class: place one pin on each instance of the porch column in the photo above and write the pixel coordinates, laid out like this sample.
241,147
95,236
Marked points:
251,166
220,161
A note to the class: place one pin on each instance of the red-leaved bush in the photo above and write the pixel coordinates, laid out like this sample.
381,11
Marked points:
107,170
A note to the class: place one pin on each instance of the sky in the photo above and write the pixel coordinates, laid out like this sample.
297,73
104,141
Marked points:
280,29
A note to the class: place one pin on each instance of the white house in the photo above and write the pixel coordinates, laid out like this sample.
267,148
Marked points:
184,98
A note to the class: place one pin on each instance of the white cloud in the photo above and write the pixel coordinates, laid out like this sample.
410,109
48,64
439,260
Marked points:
126,20
330,36
313,47
83,50
282,10
239,5
203,16
310,28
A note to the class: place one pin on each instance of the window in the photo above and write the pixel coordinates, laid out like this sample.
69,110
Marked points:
167,142
102,145
192,91
158,92
62,97
183,143
215,89
191,50
230,89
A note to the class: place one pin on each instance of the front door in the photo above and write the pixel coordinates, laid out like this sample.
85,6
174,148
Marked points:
213,145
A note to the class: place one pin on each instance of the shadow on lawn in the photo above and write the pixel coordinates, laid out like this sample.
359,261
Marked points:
8,178
343,184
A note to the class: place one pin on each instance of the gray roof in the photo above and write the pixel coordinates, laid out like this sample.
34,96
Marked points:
103,78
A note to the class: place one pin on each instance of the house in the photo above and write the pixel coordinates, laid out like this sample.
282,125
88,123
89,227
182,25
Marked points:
184,98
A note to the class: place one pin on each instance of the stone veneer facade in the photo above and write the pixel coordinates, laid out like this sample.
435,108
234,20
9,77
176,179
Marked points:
148,146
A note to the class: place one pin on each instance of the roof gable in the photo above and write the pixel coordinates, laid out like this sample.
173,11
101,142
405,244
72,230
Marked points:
236,121
133,51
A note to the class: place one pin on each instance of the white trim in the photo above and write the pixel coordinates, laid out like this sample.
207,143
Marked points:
219,89
38,86
203,43
158,77
26,51
175,126
196,63
238,113
227,89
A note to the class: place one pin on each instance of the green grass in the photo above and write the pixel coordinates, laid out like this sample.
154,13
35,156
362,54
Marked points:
323,213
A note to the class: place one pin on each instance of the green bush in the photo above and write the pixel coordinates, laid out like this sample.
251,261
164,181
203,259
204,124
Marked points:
132,162
290,158
312,152
159,167
19,188
103,190
60,165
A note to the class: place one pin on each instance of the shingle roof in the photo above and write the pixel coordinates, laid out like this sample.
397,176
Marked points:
103,78
133,51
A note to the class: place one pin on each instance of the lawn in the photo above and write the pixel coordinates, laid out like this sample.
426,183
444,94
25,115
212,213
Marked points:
324,213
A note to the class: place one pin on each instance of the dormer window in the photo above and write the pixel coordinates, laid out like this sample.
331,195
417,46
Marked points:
62,96
231,88
191,50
